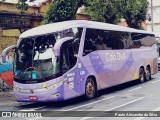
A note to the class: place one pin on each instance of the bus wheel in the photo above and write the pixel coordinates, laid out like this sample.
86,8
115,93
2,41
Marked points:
148,73
141,75
90,88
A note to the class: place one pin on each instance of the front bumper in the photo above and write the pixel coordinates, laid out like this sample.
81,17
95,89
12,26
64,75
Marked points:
52,95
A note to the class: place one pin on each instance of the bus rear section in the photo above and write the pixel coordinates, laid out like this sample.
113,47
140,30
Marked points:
113,57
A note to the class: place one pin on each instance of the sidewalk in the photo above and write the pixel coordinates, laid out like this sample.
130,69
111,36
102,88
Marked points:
5,88
6,94
6,97
8,101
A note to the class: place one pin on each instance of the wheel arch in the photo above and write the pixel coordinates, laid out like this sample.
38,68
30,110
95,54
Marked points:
142,67
94,79
148,72
141,77
149,66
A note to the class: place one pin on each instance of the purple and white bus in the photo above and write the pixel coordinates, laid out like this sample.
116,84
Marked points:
63,60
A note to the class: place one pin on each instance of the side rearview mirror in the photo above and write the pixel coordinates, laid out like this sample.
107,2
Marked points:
5,51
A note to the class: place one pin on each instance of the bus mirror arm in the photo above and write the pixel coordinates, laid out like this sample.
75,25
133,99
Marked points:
5,51
56,52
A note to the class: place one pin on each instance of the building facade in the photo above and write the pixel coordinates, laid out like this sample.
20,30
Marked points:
12,24
156,17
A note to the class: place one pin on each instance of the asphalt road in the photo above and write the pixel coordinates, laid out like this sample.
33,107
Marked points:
127,97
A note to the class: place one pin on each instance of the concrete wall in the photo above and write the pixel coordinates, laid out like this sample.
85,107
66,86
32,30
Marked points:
10,37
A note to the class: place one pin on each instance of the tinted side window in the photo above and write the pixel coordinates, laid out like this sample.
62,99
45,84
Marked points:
142,40
96,40
69,51
119,40
89,44
112,40
69,54
106,40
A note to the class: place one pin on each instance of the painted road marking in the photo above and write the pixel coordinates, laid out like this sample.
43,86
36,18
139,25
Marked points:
40,108
89,103
33,109
28,110
84,118
155,81
124,104
135,89
157,109
79,107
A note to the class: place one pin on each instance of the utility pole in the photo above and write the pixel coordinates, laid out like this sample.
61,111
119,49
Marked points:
152,14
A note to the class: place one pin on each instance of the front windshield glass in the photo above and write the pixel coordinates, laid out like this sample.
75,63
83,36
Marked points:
35,58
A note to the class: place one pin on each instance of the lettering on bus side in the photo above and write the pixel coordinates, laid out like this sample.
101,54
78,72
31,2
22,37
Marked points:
71,79
115,56
70,74
79,65
71,85
82,72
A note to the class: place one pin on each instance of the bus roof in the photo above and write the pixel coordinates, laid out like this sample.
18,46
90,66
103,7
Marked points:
54,27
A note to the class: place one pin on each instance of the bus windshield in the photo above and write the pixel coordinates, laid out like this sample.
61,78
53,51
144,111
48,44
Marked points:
35,58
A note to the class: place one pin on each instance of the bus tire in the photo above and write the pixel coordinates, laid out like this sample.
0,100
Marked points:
90,88
141,75
148,73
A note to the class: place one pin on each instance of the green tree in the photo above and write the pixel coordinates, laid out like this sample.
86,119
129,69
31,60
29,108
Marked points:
96,10
134,12
112,14
61,10
22,6
103,11
111,11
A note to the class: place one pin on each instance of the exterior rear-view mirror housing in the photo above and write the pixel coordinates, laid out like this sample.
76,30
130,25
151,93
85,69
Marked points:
5,51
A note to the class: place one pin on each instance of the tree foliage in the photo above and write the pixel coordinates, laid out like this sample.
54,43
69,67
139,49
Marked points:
61,10
111,11
22,6
103,11
134,12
